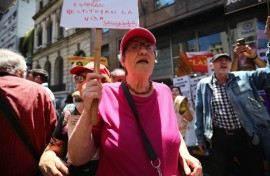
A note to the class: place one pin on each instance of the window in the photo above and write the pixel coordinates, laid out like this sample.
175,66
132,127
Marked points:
49,33
214,43
163,67
162,3
48,67
214,39
61,31
105,30
40,5
58,76
80,53
39,42
105,51
14,15
211,39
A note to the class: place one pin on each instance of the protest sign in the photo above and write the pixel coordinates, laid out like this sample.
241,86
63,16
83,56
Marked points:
100,14
183,83
118,14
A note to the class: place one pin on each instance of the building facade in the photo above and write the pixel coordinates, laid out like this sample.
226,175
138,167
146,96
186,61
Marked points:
179,26
13,25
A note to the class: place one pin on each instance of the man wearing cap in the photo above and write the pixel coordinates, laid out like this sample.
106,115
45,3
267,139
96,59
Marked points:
231,117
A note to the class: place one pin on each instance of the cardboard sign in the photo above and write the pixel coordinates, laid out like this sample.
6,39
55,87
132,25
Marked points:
117,14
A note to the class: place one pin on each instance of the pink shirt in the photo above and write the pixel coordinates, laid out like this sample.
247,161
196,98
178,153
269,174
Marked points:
122,150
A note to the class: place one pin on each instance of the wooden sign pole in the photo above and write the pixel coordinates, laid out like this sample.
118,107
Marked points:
97,55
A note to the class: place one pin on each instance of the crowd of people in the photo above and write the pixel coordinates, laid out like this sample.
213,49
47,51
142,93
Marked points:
143,127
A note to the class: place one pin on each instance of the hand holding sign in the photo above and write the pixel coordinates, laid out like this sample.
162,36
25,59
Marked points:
99,14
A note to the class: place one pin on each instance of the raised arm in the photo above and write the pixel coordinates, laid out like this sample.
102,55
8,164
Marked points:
81,146
253,57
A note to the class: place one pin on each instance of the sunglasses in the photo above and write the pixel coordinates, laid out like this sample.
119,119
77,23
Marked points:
79,78
136,46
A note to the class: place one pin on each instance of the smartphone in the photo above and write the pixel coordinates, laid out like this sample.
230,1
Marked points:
241,42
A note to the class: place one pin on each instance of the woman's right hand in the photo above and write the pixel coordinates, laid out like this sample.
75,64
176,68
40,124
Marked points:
92,89
51,165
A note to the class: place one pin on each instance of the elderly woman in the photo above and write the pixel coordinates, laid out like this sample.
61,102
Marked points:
118,135
50,162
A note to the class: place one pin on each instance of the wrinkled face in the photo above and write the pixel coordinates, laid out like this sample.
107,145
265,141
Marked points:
139,56
222,65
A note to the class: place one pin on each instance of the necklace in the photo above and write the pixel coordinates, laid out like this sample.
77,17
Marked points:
140,93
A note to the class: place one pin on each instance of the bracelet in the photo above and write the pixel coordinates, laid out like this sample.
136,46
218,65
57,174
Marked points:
252,59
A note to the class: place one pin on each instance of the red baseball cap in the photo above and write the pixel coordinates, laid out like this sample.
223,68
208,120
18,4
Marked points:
90,66
136,32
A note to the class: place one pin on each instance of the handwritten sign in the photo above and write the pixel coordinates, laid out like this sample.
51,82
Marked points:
117,14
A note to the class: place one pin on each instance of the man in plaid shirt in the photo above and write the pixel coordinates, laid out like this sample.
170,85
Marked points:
231,118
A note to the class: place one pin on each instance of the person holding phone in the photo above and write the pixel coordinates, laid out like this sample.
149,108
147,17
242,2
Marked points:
251,58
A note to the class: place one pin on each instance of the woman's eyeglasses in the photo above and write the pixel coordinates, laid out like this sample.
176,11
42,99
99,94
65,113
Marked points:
79,78
136,46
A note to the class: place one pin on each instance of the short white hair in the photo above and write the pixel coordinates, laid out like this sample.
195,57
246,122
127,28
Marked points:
12,62
117,72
